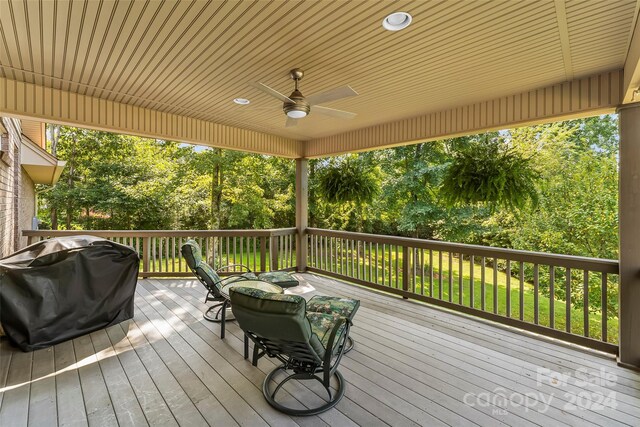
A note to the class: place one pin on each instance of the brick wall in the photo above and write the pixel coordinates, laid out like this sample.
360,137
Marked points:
10,182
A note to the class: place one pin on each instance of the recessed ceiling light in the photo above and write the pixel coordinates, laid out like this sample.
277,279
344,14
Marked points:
241,101
396,21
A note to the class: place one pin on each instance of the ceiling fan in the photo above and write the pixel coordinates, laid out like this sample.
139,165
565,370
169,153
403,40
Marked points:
297,106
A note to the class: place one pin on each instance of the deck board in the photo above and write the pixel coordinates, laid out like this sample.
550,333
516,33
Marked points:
412,365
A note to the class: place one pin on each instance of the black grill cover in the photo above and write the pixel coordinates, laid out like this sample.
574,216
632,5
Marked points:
58,289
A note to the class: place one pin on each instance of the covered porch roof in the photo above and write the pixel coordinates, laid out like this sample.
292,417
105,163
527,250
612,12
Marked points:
170,70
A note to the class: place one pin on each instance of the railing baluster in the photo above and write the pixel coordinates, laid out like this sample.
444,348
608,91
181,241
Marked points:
254,253
406,268
397,268
521,277
422,272
604,300
460,279
235,247
242,252
145,253
472,284
483,296
384,268
326,253
160,242
440,274
552,311
376,261
536,290
370,265
353,258
567,291
153,254
585,302
450,277
495,285
430,273
508,308
180,243
263,253
173,254
358,269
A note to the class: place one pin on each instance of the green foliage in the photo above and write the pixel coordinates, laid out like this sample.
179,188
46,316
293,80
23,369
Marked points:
490,171
121,182
348,180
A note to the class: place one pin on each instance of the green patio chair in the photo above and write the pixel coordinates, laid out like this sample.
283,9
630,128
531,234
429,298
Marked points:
310,345
211,279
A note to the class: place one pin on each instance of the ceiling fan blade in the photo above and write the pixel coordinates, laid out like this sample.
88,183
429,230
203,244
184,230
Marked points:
333,112
331,95
266,89
291,122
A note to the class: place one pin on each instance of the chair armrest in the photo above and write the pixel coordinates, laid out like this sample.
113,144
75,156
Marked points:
237,278
227,267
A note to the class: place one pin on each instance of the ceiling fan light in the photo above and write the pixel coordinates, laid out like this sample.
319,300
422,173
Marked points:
397,21
296,114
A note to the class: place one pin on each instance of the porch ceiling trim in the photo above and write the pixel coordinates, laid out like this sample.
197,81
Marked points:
588,96
30,101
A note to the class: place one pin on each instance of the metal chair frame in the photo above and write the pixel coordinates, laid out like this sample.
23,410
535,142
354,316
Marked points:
300,359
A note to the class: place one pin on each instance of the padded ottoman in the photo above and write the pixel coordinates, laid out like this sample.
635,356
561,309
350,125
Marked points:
280,278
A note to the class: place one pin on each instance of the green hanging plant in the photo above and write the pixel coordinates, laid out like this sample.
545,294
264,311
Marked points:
492,173
348,181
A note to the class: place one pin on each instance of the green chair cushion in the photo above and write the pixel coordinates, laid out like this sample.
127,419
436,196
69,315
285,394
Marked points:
335,306
322,324
280,278
273,316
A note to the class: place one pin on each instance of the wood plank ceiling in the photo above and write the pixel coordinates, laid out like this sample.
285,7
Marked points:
193,58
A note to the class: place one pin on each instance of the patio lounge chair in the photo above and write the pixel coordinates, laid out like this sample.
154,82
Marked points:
310,345
211,279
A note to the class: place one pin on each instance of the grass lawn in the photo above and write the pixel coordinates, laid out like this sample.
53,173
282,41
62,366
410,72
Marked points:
368,272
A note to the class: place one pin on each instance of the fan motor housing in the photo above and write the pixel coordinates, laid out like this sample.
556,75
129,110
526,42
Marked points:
299,104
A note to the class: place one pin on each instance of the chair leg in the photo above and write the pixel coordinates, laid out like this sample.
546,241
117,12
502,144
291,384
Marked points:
246,346
224,317
256,355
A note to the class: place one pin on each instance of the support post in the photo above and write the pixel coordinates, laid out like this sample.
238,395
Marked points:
274,252
629,224
302,213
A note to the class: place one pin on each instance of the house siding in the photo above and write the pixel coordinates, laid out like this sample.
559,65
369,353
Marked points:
10,184
27,205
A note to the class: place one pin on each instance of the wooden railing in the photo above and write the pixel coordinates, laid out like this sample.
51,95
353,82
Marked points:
159,250
565,297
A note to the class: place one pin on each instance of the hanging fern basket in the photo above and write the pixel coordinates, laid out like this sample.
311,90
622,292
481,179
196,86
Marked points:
490,173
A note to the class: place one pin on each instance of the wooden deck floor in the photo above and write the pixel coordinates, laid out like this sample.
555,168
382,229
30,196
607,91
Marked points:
412,365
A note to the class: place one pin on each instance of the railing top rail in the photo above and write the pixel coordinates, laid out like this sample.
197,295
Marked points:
558,260
162,233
